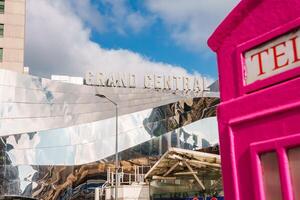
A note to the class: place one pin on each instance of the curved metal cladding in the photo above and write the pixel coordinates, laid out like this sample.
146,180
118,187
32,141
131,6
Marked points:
57,139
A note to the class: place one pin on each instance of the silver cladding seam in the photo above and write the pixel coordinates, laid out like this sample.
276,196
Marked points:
29,103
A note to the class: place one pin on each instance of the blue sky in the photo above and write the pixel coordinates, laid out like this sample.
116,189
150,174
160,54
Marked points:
155,42
149,36
157,45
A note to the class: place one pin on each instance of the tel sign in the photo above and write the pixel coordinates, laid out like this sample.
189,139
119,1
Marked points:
274,57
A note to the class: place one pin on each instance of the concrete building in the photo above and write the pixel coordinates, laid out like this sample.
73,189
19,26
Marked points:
12,32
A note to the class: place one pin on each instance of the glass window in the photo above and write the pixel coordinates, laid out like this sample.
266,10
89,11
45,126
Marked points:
2,5
294,163
271,177
1,54
1,30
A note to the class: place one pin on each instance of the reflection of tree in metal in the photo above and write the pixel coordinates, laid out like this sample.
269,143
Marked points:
8,174
58,182
74,182
77,182
172,116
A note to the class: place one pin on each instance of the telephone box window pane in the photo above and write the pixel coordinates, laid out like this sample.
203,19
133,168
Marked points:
271,177
294,162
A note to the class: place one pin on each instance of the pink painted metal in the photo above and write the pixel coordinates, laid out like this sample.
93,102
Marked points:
260,117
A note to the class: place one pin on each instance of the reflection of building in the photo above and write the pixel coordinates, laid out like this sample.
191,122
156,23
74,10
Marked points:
58,138
12,28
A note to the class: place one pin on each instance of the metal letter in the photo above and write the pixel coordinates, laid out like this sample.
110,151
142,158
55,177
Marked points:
186,83
198,84
132,81
176,79
148,81
111,82
89,78
123,80
157,82
167,83
100,79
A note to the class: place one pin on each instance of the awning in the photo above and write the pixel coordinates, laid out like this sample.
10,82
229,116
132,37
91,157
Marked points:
180,163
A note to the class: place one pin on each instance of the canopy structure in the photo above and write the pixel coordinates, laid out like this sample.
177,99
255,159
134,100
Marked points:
179,164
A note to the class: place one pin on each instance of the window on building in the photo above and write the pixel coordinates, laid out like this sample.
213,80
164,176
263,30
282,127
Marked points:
1,54
2,5
1,30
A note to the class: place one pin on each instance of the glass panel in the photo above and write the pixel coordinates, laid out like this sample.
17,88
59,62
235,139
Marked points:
294,162
2,3
1,54
271,178
1,30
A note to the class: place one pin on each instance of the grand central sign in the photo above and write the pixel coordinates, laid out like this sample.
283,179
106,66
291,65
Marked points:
127,80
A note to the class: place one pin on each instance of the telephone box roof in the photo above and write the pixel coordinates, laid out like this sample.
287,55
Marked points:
230,23
272,14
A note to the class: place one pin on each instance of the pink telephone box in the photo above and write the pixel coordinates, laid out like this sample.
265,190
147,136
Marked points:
258,49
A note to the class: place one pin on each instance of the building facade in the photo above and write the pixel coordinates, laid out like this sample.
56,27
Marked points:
12,33
57,139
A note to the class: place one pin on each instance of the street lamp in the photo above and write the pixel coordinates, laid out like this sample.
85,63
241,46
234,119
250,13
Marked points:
116,147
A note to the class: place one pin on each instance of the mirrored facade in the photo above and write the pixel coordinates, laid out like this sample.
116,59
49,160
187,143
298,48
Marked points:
57,139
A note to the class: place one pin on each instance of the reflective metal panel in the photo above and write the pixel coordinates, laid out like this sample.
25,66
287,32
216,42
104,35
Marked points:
58,138
56,182
29,104
90,142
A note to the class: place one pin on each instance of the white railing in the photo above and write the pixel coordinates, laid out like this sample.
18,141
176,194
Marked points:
127,178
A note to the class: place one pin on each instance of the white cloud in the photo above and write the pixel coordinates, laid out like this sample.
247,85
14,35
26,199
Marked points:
89,13
58,42
137,22
121,17
191,21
